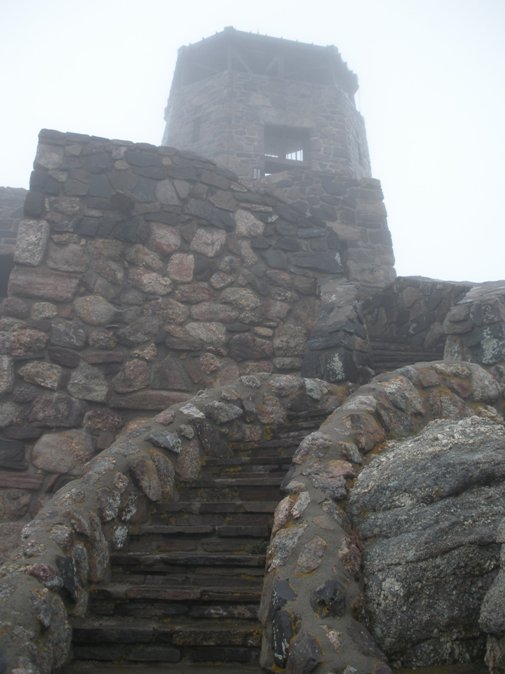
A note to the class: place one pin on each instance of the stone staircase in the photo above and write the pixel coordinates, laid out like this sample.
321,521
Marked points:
388,356
184,595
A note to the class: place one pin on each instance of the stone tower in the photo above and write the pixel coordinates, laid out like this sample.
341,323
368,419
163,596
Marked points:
259,105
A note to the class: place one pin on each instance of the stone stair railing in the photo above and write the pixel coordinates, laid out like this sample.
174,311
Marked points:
313,607
68,546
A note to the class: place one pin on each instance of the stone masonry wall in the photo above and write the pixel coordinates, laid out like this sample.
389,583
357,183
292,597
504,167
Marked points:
475,325
142,275
353,209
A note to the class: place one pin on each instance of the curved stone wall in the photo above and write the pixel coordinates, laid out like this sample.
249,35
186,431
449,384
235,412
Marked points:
314,610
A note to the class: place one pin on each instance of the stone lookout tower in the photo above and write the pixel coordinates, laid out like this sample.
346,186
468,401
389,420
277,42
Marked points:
259,105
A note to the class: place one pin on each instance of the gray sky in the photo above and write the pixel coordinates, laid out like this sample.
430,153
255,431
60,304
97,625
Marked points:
431,73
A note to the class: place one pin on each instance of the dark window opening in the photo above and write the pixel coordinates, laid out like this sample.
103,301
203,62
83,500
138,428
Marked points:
6,264
197,126
284,146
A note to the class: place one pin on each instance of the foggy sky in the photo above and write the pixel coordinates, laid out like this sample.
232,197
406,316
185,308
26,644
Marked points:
431,73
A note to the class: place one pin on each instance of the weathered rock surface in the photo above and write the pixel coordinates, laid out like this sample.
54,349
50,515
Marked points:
427,509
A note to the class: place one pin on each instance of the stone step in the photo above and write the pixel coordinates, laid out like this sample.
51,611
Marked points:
193,530
150,609
196,580
166,560
166,654
166,641
212,519
261,462
219,507
87,667
243,480
197,544
252,491
189,593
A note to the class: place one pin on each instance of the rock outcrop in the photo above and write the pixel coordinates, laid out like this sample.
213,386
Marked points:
427,510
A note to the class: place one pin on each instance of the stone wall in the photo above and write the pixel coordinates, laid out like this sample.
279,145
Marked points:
475,326
142,275
353,209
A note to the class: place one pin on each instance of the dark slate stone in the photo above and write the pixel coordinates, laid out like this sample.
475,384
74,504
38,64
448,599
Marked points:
132,230
311,233
122,181
257,281
325,212
40,181
165,217
98,203
166,440
288,243
66,570
304,655
170,374
275,258
67,334
122,203
210,438
237,326
284,228
260,243
182,172
97,162
99,186
318,245
144,190
214,216
329,599
326,341
282,633
322,262
333,242
142,158
76,188
154,172
204,268
25,393
34,205
12,454
249,347
21,432
3,663
281,594
333,186
84,226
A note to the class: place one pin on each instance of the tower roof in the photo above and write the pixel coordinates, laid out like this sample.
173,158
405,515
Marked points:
232,49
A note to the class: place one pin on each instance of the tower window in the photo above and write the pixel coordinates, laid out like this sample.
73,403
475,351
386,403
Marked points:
195,132
284,145
6,264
